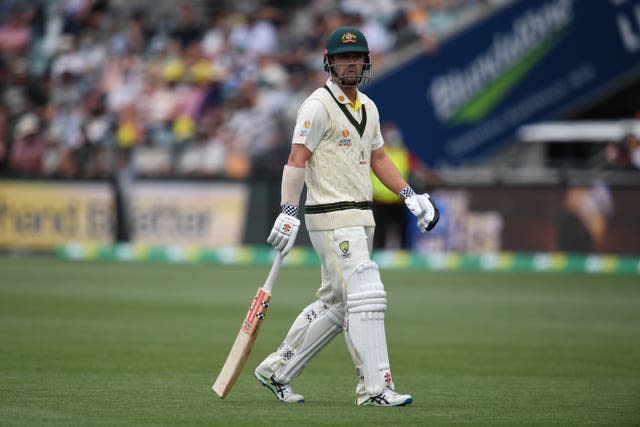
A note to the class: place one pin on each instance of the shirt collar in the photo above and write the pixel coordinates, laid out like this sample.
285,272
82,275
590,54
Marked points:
342,98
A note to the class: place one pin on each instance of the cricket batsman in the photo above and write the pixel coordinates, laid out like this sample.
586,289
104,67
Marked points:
335,145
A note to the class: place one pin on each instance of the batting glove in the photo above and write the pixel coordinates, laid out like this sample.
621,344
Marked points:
423,207
284,232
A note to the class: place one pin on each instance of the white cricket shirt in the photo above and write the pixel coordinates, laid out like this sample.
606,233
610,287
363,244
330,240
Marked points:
341,137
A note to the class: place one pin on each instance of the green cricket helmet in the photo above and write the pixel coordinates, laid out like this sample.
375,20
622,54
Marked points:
347,40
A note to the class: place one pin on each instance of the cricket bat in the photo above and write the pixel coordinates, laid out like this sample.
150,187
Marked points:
248,333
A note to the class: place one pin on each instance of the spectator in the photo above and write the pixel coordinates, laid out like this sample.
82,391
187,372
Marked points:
404,34
27,151
4,143
262,37
187,30
389,209
582,225
107,72
98,134
205,158
158,108
633,146
215,37
15,36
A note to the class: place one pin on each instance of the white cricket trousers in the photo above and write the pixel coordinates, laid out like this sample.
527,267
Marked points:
340,251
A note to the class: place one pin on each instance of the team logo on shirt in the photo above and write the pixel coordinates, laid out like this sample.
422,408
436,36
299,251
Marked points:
345,140
305,129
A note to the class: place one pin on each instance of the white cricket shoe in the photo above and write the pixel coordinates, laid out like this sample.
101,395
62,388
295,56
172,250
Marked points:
387,397
282,392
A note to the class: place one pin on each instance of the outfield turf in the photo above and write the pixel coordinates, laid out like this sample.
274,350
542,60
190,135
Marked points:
93,344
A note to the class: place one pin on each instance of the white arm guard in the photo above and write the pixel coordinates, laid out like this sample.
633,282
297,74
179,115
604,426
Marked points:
285,228
292,183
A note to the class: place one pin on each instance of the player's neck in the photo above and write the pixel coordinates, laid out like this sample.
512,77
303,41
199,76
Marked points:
351,92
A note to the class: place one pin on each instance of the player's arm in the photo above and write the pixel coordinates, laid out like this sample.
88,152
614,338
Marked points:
298,156
293,179
420,205
285,229
310,126
386,171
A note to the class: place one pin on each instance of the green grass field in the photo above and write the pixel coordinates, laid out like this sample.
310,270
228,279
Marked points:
93,344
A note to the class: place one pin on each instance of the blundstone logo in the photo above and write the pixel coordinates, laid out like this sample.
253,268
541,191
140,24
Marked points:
349,38
471,92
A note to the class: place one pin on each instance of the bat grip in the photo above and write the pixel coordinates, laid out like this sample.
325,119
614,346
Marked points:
273,274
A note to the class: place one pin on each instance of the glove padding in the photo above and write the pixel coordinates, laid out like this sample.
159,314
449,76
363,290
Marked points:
284,232
423,207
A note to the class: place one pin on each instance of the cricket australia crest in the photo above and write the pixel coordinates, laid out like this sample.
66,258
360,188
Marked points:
344,248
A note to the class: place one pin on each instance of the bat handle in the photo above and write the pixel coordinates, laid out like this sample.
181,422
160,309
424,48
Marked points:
273,274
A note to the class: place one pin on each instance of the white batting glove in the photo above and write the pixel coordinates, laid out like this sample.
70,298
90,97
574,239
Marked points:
423,207
284,232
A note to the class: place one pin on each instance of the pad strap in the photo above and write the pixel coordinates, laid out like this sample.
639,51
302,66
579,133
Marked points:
367,301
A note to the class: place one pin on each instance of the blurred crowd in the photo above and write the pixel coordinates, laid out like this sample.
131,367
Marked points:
205,89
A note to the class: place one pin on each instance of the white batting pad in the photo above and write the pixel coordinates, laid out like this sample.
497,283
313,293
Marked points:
365,334
312,330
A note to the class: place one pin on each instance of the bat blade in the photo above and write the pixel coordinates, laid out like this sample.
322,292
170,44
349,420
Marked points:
243,344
